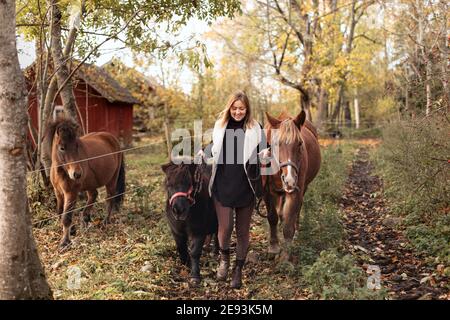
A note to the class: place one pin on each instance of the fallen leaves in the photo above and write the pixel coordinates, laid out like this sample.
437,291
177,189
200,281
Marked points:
374,239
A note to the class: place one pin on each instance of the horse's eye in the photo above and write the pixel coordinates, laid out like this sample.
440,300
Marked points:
62,149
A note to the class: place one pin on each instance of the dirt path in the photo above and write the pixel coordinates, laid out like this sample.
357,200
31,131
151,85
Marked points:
374,240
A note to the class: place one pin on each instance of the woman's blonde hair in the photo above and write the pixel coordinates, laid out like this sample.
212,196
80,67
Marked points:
225,114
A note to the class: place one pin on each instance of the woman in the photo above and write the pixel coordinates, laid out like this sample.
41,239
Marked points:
235,179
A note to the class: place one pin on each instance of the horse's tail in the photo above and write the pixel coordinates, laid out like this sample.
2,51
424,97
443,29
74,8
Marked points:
120,186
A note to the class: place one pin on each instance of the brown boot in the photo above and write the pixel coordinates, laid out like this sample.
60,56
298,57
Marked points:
224,264
236,279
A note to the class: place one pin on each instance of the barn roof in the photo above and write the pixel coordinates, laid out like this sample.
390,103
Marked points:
99,79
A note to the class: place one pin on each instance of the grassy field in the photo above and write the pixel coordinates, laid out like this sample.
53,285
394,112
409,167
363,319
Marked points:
135,257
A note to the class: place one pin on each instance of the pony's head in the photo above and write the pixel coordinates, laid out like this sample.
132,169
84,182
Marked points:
63,136
287,146
180,184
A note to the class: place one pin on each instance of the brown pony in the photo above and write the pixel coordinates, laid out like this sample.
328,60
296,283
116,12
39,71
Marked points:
71,172
295,163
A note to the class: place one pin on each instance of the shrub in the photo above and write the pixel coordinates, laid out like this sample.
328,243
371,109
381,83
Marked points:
334,276
413,161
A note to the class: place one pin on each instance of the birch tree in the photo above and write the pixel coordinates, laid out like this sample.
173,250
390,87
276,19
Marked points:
21,272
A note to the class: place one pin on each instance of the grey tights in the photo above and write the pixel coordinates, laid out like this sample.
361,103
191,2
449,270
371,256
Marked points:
225,218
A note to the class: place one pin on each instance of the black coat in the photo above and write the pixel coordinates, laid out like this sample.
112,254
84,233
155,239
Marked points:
233,186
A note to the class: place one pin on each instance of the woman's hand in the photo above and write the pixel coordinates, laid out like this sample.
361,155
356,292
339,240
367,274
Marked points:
264,154
200,157
201,154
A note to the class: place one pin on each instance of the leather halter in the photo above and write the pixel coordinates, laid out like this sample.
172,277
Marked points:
187,195
194,189
289,163
293,165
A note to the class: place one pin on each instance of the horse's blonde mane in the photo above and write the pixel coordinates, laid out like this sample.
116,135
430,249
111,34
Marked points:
288,132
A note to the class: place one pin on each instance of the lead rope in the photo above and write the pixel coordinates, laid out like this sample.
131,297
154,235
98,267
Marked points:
259,199
198,174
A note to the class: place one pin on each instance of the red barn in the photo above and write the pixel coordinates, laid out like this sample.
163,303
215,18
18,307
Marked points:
104,105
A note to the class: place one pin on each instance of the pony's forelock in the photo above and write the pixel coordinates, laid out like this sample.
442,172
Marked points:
68,128
177,172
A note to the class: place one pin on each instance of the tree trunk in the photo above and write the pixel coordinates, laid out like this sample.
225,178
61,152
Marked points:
348,50
62,71
356,106
322,108
305,105
48,106
444,48
167,129
428,85
347,115
41,68
337,107
21,273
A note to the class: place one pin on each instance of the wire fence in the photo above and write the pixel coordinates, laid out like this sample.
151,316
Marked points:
99,156
38,222
158,142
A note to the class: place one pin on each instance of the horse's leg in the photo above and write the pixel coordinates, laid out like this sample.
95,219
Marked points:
70,199
181,242
110,194
272,217
195,253
86,214
207,244
291,210
59,202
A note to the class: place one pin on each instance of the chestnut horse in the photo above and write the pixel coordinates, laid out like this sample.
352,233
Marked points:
295,162
83,164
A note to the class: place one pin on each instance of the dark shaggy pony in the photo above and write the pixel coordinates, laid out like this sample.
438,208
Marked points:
190,211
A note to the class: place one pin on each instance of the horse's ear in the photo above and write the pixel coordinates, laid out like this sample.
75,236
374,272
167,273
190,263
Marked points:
166,166
57,133
274,122
300,119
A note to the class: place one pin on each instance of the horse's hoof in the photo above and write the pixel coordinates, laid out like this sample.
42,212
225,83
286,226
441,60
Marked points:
274,249
194,282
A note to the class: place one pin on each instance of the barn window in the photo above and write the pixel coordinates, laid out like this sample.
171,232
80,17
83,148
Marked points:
58,113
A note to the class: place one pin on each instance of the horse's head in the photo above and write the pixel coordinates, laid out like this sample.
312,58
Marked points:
287,146
65,147
180,186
